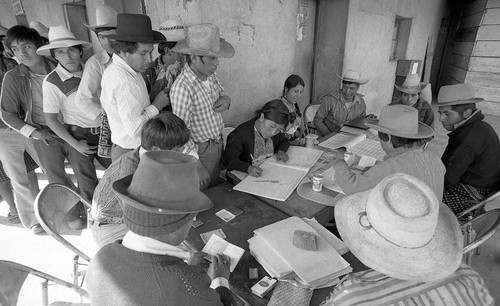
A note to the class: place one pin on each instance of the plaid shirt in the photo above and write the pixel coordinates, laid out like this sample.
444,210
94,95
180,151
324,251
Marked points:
192,102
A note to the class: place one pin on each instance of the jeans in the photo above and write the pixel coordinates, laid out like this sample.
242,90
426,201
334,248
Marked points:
12,147
210,153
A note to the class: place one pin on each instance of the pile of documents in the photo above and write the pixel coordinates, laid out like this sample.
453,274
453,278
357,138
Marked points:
273,248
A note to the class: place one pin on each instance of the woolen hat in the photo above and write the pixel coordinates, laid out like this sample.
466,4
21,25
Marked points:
204,40
402,121
3,31
162,193
457,94
412,84
105,17
353,76
401,229
173,30
60,37
40,28
136,28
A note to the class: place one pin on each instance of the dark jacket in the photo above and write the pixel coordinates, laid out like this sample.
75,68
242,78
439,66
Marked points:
240,145
472,155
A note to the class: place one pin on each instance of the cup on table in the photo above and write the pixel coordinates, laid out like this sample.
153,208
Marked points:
310,140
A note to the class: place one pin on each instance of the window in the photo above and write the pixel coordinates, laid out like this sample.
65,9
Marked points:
400,37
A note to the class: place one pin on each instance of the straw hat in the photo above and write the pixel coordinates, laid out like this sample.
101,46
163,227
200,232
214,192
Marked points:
105,17
173,30
204,40
402,121
40,28
400,228
412,84
60,37
3,31
136,28
457,94
353,77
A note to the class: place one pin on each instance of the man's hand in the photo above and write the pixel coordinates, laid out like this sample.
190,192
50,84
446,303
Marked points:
254,171
219,267
42,135
281,156
161,100
204,176
82,147
222,104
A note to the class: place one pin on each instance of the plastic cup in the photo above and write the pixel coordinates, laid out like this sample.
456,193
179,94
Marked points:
310,140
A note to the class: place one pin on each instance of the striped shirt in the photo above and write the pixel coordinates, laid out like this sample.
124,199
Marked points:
192,101
370,288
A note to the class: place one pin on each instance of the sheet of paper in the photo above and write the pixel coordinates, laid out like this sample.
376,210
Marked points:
225,215
206,236
366,161
329,180
342,140
217,245
369,147
299,157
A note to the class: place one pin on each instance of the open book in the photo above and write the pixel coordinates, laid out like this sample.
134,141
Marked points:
355,143
217,245
279,179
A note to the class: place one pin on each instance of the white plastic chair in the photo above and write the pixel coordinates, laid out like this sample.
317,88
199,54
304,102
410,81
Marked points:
309,113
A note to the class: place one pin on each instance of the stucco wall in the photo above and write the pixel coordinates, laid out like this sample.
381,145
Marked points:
368,44
49,12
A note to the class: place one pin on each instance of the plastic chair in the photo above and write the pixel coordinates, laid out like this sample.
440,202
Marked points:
13,275
226,131
485,226
309,113
51,208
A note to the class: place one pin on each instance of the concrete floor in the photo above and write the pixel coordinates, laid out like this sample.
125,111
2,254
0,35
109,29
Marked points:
46,254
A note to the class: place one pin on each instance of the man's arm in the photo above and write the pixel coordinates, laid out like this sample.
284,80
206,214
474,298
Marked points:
351,182
87,96
323,110
458,164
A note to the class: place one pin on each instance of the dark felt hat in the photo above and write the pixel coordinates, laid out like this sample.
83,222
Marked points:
136,28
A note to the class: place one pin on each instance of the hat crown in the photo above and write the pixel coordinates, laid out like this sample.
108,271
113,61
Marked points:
136,27
352,75
60,33
105,14
204,37
400,118
173,30
39,27
412,81
404,211
454,93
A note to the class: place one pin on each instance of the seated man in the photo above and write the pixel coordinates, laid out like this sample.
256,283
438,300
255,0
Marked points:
160,201
403,138
341,106
165,131
472,155
412,244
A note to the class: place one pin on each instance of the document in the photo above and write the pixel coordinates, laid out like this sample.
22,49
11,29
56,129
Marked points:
279,179
355,143
217,245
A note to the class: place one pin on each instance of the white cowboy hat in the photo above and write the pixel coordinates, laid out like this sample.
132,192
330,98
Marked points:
3,31
401,229
204,40
60,37
412,84
353,76
173,30
402,121
457,94
105,17
40,28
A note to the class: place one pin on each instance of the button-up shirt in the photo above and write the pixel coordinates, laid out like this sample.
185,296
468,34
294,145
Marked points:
193,102
125,99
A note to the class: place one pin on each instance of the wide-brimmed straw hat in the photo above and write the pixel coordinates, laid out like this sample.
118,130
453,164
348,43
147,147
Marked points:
3,31
60,37
136,28
204,40
173,30
105,17
353,76
401,120
40,28
401,229
412,84
457,94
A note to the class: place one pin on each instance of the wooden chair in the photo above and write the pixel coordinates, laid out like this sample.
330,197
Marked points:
309,113
13,275
53,205
485,226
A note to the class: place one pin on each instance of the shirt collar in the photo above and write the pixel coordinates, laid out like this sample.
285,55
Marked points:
145,244
120,62
65,74
456,126
104,57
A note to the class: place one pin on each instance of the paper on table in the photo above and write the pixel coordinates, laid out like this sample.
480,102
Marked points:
369,147
327,235
366,161
329,180
342,140
217,245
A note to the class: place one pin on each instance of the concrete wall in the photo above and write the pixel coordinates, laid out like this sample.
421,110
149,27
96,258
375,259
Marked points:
368,43
49,12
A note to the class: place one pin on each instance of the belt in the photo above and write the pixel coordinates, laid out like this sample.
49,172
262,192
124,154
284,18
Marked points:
93,130
213,140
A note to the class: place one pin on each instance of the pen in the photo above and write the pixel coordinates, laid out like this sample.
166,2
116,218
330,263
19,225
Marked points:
253,160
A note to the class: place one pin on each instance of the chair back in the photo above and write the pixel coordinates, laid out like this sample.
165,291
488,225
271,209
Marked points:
485,226
51,208
225,132
309,113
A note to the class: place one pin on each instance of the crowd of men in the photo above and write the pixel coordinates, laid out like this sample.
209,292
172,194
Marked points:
156,126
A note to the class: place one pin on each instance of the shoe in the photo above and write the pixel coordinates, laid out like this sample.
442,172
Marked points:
37,229
13,219
76,224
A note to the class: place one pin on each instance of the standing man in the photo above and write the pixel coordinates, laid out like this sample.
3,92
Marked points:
124,94
472,156
341,106
197,95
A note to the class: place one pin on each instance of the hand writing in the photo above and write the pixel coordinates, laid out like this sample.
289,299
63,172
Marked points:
255,171
281,156
219,267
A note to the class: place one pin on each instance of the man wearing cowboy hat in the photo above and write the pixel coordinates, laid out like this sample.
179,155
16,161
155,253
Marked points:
164,70
197,95
89,91
410,95
22,112
403,138
124,95
472,156
148,267
412,244
341,106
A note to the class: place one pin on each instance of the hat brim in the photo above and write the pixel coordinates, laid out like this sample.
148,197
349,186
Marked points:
198,203
45,50
424,131
111,24
437,259
412,90
157,38
358,81
226,49
460,102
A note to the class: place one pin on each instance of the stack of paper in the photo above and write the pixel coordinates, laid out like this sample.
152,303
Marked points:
355,143
273,248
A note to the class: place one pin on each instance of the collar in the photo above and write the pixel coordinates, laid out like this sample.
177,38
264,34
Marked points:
401,150
142,151
340,96
120,62
471,119
104,57
144,244
65,74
